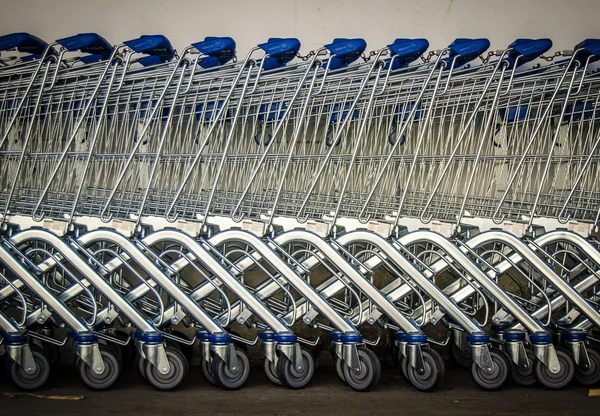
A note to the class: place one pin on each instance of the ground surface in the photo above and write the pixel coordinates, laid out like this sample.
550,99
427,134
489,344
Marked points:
326,395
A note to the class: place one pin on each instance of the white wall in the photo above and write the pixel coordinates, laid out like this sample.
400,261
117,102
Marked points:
314,22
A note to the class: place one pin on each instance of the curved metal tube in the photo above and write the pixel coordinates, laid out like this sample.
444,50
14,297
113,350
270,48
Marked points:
85,269
287,273
475,272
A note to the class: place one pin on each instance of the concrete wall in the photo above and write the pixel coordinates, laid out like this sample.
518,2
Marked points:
314,22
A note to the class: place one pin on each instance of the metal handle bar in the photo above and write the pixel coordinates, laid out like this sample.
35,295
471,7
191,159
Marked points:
90,101
501,63
170,215
439,66
496,215
313,65
104,215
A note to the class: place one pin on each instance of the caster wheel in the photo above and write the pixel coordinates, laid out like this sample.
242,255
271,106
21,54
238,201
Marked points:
115,349
395,354
52,352
339,369
187,350
403,368
270,370
177,372
140,366
590,376
500,375
231,378
21,379
367,376
461,358
565,375
206,367
433,373
290,376
525,377
110,375
128,351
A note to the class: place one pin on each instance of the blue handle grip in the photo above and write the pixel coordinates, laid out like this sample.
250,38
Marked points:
219,49
591,48
346,51
528,49
465,50
23,42
153,45
91,43
281,47
408,50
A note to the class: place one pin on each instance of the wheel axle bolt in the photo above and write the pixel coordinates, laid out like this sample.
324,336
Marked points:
98,369
554,369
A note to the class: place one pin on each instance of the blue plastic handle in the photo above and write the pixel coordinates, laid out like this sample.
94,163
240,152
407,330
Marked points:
407,50
283,47
219,50
91,43
23,42
154,45
465,50
280,50
528,49
591,48
346,51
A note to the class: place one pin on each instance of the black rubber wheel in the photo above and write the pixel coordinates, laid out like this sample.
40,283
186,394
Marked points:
231,378
52,353
433,373
206,367
565,375
26,381
525,377
110,375
114,348
404,368
500,375
187,350
177,371
128,351
140,366
590,376
461,358
367,376
339,369
290,376
270,370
